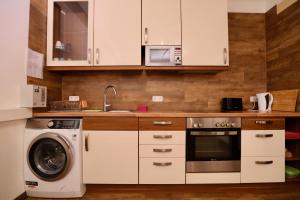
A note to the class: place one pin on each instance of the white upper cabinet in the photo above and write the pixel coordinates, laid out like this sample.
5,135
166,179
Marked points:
117,30
205,32
70,33
161,22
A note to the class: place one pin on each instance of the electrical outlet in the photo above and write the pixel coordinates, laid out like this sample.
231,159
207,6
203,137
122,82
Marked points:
73,98
157,98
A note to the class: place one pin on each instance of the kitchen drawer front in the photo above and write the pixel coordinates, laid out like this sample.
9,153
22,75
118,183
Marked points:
263,143
162,123
162,171
263,123
110,123
162,151
262,169
162,137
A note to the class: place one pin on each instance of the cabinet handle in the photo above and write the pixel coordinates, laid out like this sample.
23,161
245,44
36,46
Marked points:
264,135
162,123
264,162
263,122
162,150
90,56
225,57
146,35
162,164
86,142
162,136
97,56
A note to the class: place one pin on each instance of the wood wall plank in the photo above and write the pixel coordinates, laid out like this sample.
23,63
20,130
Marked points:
38,42
283,49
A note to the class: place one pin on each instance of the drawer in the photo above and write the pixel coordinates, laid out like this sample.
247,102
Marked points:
162,171
263,123
262,169
263,143
162,151
162,123
162,137
213,178
110,123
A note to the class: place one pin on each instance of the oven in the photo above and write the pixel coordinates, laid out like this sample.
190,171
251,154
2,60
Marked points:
213,145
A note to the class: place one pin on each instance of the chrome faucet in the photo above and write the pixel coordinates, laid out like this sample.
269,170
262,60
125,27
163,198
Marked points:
105,104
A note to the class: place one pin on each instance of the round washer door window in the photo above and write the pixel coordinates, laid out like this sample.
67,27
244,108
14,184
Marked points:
49,157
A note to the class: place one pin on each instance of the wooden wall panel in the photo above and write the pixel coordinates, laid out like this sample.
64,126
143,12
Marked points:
38,42
185,92
283,49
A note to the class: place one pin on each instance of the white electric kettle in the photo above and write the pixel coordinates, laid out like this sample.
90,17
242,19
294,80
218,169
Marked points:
265,101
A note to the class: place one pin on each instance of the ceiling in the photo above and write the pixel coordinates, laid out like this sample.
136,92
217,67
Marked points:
251,6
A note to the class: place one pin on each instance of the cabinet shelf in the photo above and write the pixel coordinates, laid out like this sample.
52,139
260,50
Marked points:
137,68
293,159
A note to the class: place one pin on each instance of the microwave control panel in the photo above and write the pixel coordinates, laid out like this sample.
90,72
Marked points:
177,56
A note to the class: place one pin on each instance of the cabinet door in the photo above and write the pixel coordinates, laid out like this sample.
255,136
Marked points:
161,22
117,30
110,157
205,32
70,33
262,169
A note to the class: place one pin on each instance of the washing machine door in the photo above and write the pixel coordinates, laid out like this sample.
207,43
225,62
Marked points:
49,157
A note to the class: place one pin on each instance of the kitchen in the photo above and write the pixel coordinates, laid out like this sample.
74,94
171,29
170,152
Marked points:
253,50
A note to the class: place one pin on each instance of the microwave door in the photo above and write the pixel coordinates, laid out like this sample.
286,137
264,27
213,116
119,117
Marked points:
160,57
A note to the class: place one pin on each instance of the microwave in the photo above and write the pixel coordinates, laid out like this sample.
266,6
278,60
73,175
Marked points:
163,55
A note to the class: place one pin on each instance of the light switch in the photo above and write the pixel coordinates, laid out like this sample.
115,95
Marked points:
157,98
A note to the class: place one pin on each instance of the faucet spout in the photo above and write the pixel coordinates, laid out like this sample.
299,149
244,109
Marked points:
105,104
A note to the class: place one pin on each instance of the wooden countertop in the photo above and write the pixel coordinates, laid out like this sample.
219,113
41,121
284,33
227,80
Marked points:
167,114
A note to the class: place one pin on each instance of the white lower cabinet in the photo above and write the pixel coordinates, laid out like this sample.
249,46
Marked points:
263,159
162,157
162,171
110,157
262,169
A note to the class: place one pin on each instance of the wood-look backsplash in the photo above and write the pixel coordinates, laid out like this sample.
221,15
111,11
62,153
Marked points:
185,92
283,49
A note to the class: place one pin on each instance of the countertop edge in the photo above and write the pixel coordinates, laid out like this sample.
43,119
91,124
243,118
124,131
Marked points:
166,114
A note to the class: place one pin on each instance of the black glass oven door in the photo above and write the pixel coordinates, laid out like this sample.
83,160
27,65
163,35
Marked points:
213,145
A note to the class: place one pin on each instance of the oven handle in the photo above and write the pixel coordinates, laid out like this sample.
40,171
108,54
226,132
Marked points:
213,133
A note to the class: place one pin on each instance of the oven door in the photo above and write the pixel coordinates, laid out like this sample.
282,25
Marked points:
213,150
160,56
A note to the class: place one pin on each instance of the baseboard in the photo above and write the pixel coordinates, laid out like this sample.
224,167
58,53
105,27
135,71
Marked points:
22,196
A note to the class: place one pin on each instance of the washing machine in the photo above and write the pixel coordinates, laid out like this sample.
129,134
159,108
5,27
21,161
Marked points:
53,158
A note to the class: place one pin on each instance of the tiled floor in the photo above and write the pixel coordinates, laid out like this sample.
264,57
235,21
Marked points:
286,191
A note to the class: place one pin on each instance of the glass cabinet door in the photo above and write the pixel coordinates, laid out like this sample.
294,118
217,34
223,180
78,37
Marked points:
69,33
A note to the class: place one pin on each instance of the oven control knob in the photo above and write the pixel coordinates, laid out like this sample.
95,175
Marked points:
218,124
228,125
233,125
200,125
50,124
223,124
195,125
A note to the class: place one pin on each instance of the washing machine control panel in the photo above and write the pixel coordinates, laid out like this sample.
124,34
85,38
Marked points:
64,124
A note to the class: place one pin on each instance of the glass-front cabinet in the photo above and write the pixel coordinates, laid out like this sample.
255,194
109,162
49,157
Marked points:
70,33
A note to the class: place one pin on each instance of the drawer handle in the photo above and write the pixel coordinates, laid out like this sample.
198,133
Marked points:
264,135
162,150
86,142
162,164
264,162
263,122
163,123
162,136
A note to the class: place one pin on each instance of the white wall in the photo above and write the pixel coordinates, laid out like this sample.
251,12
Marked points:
251,6
14,23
